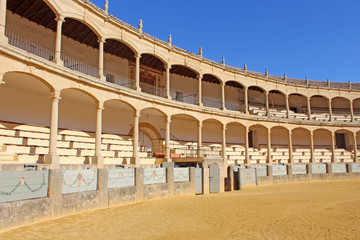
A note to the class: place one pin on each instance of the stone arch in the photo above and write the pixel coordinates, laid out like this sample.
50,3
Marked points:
153,133
127,42
90,24
117,117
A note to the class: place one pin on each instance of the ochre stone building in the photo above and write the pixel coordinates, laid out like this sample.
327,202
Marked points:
80,86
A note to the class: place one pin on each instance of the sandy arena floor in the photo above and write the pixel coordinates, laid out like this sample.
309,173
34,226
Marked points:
329,210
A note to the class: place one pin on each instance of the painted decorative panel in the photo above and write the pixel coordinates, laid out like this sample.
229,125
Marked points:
355,167
121,177
181,175
318,168
261,171
79,180
298,169
23,185
154,175
247,176
279,170
338,167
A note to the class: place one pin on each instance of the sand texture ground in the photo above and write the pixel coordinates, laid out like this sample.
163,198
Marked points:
318,210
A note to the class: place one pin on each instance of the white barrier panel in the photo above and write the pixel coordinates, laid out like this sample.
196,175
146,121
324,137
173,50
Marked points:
247,176
154,175
279,170
261,171
23,185
338,167
79,180
355,167
298,169
318,168
121,177
181,175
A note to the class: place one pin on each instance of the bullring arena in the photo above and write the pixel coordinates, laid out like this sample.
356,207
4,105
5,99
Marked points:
95,113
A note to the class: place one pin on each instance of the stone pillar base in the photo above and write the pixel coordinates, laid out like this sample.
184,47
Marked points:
58,61
102,77
53,160
103,187
135,161
4,39
98,160
55,192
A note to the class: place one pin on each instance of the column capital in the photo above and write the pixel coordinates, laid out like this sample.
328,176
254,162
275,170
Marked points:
200,76
101,40
137,55
168,119
60,18
55,95
200,124
137,114
100,106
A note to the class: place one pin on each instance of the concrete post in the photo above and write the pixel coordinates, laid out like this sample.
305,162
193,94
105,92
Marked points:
59,19
287,106
270,173
199,154
3,4
223,172
139,184
333,158
223,145
289,172
136,159
356,159
137,72
246,100
52,157
269,147
230,179
312,147
309,108
200,90
167,139
330,111
246,161
206,185
103,175
223,105
192,180
55,192
352,111
309,171
168,82
267,104
98,158
101,59
170,181
291,160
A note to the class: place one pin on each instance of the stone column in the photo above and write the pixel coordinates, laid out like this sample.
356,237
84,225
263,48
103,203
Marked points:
333,147
57,59
168,82
356,159
101,59
98,158
291,160
200,90
352,111
167,139
137,72
309,108
312,147
223,143
246,101
199,150
330,111
287,106
223,105
269,147
246,145
267,104
102,186
136,159
3,4
52,157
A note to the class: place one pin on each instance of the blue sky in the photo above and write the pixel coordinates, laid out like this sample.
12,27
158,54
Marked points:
315,38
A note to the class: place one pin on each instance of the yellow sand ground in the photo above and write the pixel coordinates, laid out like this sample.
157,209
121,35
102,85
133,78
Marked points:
320,210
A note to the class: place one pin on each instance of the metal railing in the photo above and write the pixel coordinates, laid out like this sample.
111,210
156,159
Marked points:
211,103
157,91
29,45
192,99
121,81
79,66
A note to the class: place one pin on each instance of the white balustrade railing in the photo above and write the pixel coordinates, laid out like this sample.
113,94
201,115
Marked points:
29,45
